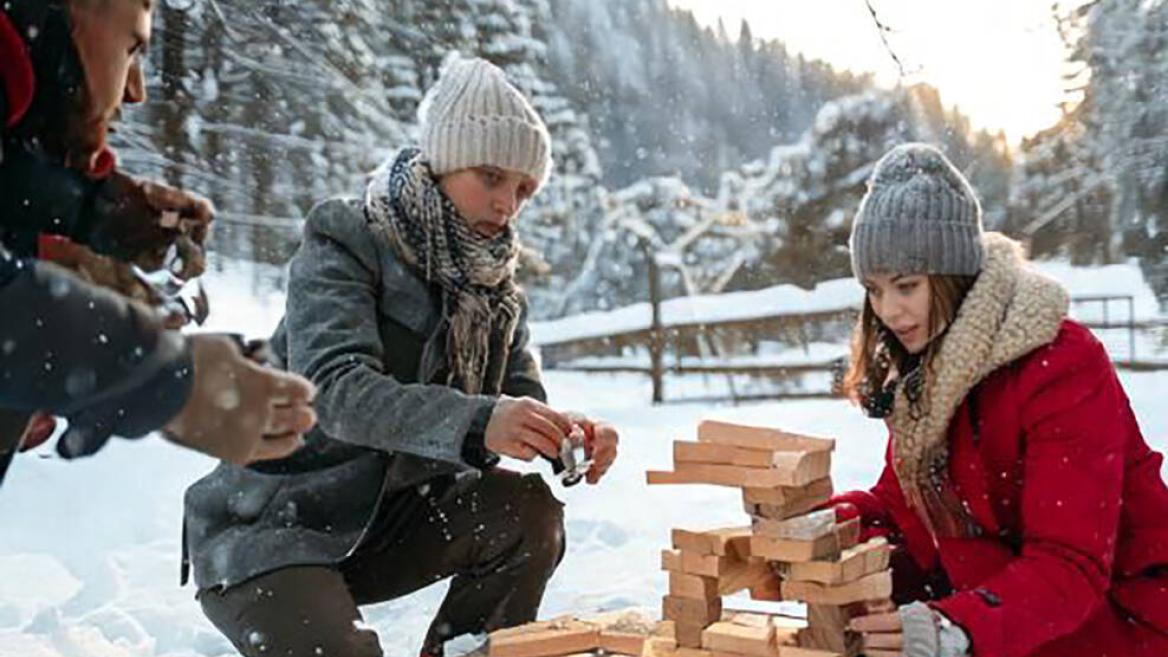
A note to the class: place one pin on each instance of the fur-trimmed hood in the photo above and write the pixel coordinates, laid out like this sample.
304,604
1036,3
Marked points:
1010,311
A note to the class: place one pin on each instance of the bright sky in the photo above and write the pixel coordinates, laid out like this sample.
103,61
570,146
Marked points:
1000,61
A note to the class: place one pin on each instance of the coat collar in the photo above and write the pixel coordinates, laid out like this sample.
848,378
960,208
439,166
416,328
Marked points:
1010,311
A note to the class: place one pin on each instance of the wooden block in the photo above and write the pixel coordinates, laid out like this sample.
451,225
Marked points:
748,574
672,560
799,528
564,638
687,452
692,586
777,549
870,587
818,491
660,647
849,533
726,433
690,610
854,563
693,652
709,565
622,643
529,628
731,541
689,635
625,631
740,639
798,651
735,476
691,541
827,629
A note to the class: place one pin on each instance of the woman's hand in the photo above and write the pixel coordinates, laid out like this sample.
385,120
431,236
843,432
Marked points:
882,633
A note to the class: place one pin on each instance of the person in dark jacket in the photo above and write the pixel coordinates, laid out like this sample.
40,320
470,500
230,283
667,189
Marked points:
1029,514
403,310
71,349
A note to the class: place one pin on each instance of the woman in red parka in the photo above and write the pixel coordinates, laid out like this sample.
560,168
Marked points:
1030,516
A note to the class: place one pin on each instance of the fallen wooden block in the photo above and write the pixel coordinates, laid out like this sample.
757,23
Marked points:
562,638
854,563
741,639
871,587
780,503
799,528
795,469
693,586
659,647
624,632
741,435
830,546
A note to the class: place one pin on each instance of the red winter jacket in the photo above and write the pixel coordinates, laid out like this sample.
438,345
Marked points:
1075,558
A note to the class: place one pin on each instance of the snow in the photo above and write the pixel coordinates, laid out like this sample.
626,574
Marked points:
89,552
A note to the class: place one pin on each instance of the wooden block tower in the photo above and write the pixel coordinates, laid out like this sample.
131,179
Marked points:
790,551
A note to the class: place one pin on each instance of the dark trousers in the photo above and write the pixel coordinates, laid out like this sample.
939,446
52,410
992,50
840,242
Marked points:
500,539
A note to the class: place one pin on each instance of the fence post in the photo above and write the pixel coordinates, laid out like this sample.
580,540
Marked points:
1131,329
656,332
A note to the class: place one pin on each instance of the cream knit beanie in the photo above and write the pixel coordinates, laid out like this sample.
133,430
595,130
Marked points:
472,116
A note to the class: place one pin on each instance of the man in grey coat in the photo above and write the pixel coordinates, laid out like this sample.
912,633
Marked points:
403,310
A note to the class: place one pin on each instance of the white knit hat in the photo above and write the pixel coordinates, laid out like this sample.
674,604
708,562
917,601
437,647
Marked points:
473,116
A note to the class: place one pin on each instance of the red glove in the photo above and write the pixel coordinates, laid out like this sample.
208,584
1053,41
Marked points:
39,428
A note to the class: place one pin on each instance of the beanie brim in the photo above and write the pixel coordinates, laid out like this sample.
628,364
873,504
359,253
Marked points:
505,142
896,247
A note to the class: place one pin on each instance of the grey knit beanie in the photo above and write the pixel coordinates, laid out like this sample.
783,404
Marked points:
473,116
920,216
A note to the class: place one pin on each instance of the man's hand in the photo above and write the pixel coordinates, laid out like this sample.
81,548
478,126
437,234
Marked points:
600,445
240,411
139,221
523,428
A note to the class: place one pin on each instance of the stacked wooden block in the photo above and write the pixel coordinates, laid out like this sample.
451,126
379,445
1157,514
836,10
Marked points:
791,551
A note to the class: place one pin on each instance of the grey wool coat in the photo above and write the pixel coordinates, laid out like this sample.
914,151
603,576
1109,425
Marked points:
357,325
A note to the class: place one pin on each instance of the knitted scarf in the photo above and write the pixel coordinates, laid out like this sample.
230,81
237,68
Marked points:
481,303
1010,311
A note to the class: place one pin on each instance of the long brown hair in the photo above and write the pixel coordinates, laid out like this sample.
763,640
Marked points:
868,369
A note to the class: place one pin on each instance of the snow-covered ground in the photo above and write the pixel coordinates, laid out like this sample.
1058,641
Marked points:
89,550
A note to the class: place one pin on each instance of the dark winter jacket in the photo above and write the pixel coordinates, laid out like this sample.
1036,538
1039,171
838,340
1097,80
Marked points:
357,325
1070,557
66,347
